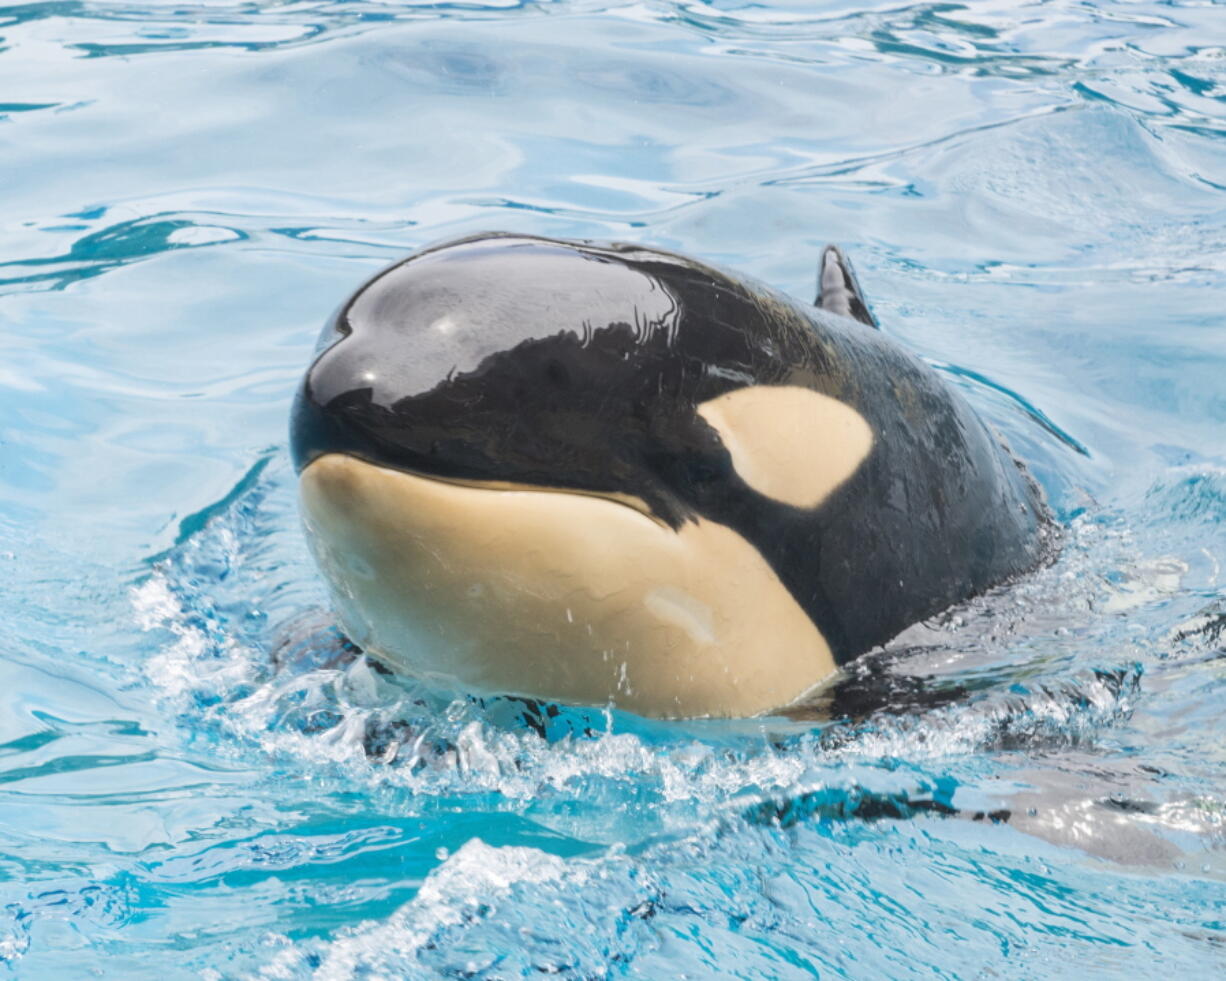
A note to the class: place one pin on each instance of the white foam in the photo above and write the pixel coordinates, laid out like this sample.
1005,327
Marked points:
466,887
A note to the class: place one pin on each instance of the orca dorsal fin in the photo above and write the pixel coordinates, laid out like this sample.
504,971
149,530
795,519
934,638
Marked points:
838,290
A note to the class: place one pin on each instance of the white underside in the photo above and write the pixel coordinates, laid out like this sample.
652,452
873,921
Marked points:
556,595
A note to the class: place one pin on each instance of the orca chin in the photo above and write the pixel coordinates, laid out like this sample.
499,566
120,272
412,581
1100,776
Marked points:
572,597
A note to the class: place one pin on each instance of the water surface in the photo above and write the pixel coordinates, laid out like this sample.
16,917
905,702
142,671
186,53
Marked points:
1035,197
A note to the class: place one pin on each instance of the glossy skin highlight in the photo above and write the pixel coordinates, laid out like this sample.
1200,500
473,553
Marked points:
617,371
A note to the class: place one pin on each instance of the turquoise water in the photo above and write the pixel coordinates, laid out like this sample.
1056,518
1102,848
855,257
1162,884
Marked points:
1035,197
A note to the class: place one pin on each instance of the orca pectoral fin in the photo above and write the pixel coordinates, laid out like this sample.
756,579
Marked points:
838,290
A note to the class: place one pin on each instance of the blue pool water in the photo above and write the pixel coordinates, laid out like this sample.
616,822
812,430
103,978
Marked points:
1035,196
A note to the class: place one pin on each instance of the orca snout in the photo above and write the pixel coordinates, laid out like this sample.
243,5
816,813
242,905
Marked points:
345,425
337,407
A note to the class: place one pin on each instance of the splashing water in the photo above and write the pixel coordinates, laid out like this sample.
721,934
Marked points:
201,780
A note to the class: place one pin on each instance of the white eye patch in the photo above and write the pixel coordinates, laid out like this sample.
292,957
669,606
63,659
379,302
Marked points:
788,443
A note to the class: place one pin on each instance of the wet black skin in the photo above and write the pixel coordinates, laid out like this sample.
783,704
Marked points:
579,366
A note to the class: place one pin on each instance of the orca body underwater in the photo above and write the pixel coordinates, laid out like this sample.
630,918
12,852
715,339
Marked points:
596,473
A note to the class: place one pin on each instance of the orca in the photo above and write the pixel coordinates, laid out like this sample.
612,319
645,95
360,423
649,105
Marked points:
603,473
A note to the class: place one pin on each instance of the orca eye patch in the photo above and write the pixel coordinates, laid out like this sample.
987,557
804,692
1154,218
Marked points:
788,443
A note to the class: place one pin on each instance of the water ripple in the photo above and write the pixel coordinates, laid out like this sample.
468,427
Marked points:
200,777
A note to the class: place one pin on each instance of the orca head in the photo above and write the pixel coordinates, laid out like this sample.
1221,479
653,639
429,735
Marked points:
524,466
